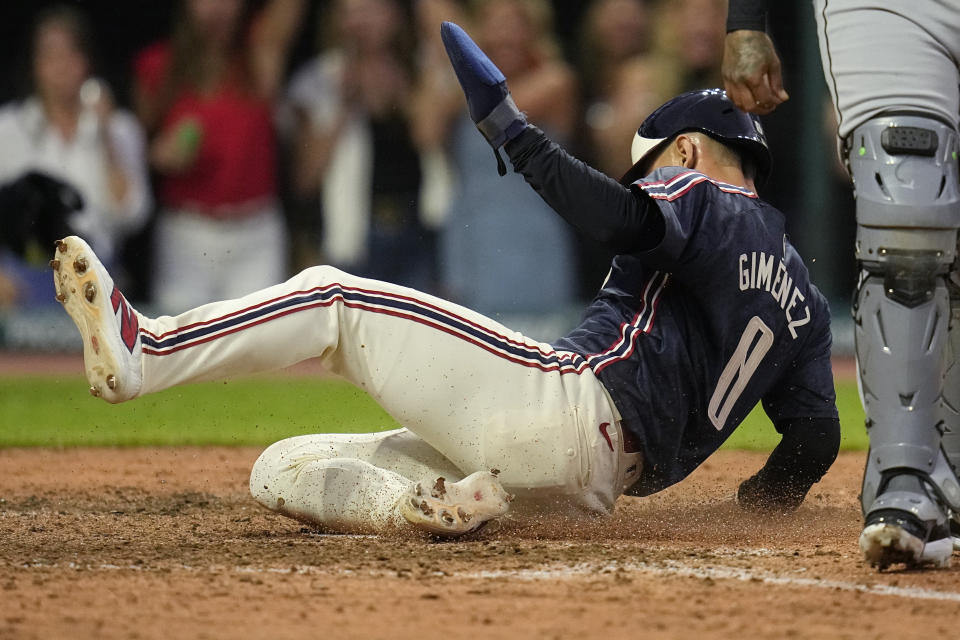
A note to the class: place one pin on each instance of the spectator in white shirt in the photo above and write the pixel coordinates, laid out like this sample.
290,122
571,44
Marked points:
69,129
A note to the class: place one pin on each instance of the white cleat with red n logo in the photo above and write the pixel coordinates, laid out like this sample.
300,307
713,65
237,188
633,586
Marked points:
452,509
109,326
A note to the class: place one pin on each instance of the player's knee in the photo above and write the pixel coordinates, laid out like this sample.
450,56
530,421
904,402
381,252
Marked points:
904,170
908,204
323,273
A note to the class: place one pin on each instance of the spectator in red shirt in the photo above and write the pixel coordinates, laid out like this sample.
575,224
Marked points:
206,97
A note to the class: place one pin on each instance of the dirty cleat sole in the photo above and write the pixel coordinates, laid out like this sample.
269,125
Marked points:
898,538
452,509
108,325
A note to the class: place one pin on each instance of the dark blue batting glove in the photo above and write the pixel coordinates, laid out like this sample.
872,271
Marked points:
488,99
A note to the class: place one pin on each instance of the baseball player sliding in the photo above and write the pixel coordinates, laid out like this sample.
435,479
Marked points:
893,75
707,310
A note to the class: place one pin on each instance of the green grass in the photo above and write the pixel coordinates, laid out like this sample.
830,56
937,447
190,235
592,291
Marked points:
757,433
56,411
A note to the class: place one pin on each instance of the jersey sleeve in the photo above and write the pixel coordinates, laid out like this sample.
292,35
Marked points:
683,200
807,390
680,219
599,207
699,215
747,14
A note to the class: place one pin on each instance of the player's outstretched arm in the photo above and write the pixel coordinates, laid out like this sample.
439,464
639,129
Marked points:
751,68
808,448
598,206
594,203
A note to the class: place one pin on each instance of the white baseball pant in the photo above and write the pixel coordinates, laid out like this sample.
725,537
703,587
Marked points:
894,55
471,394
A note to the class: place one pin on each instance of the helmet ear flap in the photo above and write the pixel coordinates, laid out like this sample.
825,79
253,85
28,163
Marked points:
643,151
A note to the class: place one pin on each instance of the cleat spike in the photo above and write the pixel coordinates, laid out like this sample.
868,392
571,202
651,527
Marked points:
61,297
112,381
55,265
95,392
418,490
61,246
89,291
454,508
80,265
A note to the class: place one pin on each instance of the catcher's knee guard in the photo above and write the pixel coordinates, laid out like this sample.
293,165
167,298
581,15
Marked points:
908,212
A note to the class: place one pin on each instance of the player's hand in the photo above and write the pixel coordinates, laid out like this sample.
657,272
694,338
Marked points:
488,99
176,149
751,71
761,495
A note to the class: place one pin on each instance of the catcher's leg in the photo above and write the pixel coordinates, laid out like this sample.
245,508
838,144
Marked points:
951,398
905,175
481,395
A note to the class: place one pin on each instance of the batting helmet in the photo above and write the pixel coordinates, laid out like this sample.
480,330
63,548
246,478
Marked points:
708,111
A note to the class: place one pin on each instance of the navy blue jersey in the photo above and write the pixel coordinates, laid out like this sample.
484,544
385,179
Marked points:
690,335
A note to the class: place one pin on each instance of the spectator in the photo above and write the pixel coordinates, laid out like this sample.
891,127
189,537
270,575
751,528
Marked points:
503,251
437,95
623,82
206,96
69,129
691,33
352,107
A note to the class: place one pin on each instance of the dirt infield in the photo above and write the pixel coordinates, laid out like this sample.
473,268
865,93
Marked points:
161,543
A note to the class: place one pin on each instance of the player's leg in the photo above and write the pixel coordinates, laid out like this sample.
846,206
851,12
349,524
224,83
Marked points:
902,321
484,397
368,483
950,441
345,482
900,58
901,145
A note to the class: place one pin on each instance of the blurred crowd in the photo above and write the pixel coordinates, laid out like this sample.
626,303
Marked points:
232,165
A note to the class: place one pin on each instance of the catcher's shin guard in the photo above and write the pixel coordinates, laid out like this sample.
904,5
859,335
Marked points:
950,442
908,212
951,381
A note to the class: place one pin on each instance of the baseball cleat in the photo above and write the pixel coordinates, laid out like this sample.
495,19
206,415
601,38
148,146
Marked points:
108,325
452,509
893,536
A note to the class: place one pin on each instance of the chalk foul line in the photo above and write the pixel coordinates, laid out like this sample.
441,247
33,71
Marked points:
662,568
